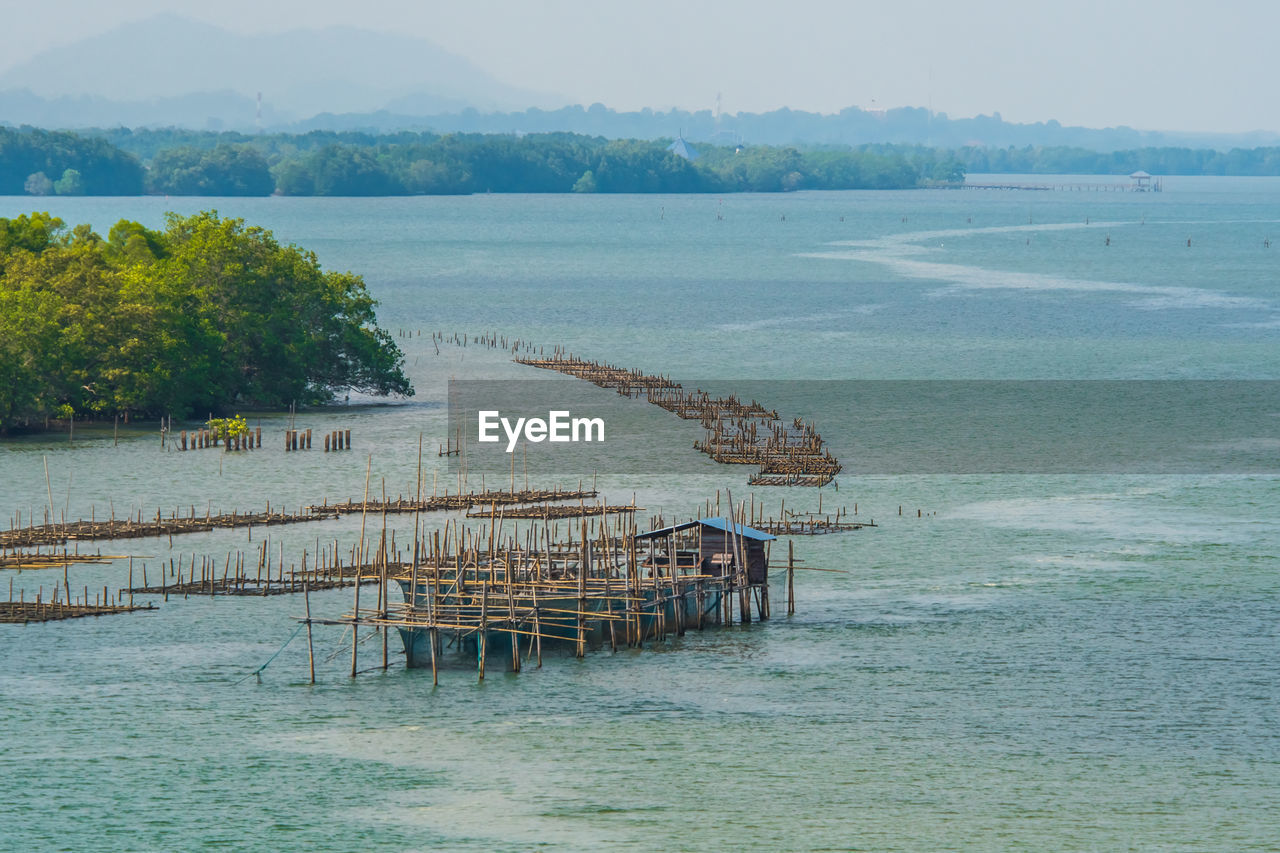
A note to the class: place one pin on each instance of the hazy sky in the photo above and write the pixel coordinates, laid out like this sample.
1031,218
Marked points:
1169,65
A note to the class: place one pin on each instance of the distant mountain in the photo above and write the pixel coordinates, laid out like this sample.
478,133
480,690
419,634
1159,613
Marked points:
203,110
851,126
163,62
171,71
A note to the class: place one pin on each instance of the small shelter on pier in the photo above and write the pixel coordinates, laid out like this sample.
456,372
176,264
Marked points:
1143,182
716,545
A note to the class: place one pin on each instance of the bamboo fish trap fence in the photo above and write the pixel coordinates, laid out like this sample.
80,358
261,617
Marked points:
178,522
738,432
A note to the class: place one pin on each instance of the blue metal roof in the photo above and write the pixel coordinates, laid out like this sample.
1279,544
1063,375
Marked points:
714,523
681,149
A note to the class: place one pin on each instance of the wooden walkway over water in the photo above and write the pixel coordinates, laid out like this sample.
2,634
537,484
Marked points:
1074,186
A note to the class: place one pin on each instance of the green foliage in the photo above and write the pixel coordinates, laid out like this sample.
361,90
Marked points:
33,233
28,346
27,155
338,170
227,170
131,241
355,163
228,428
630,166
1061,160
562,162
325,163
69,184
205,315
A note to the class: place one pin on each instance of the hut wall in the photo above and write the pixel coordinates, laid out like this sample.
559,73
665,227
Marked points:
713,542
757,565
717,542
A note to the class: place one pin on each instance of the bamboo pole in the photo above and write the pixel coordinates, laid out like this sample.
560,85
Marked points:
511,614
413,575
791,578
382,576
311,654
482,638
355,608
584,563
537,625
434,639
49,486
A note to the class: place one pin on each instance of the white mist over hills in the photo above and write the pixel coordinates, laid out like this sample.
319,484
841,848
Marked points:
167,69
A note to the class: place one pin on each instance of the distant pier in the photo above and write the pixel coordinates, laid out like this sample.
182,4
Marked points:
1135,185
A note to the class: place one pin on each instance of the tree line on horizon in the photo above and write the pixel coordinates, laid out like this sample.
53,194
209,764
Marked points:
205,315
320,163
174,161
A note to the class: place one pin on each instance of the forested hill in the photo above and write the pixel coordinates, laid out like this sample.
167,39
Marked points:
350,163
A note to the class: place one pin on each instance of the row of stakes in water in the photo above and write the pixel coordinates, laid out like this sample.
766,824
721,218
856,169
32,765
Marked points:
201,439
294,439
300,439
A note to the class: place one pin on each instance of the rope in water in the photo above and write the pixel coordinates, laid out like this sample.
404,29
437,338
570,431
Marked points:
259,670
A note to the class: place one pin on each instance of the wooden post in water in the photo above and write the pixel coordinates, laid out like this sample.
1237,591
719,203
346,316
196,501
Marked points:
435,676
700,600
537,625
355,608
677,599
791,578
482,639
633,593
583,564
511,614
413,571
744,578
311,654
48,484
382,554
613,634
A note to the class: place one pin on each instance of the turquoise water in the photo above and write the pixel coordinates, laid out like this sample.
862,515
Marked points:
1072,662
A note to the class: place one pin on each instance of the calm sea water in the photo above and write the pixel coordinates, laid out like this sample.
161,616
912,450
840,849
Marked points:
1068,662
